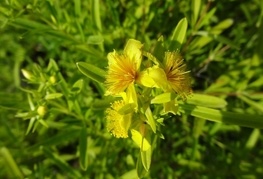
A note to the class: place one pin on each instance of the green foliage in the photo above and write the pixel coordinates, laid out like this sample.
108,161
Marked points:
52,117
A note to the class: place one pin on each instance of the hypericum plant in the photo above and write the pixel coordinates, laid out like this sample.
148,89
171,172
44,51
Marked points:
141,82
149,85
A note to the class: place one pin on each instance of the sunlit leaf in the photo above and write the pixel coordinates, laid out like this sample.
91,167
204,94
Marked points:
77,87
91,71
206,101
178,34
146,157
195,6
53,96
246,120
163,98
140,140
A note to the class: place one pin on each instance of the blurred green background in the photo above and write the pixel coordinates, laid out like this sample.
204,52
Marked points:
52,121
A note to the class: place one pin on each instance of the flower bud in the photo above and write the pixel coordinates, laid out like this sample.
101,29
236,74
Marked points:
52,79
28,75
41,110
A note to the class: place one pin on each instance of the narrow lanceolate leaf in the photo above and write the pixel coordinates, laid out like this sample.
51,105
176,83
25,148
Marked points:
96,14
163,98
83,148
146,158
179,34
95,39
246,120
91,71
140,140
219,28
53,96
196,4
77,87
206,101
253,139
141,171
151,121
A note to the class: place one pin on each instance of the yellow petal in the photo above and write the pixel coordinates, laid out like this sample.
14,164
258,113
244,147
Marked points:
121,73
133,51
145,80
112,58
159,77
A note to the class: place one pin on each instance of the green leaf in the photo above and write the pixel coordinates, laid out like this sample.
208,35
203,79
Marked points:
44,123
146,157
95,39
83,142
163,98
158,51
141,171
205,20
92,71
253,138
96,14
30,125
246,120
151,121
219,28
178,35
101,104
53,96
170,107
140,140
207,101
127,109
77,87
196,5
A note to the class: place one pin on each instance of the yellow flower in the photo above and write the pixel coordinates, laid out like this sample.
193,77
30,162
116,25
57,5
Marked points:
176,75
118,124
171,76
123,68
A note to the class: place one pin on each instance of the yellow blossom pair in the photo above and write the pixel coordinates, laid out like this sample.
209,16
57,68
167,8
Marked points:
124,71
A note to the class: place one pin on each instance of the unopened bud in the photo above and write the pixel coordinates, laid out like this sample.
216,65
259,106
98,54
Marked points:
52,79
41,110
28,75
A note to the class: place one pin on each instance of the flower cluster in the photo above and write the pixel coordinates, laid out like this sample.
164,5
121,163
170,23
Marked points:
137,77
